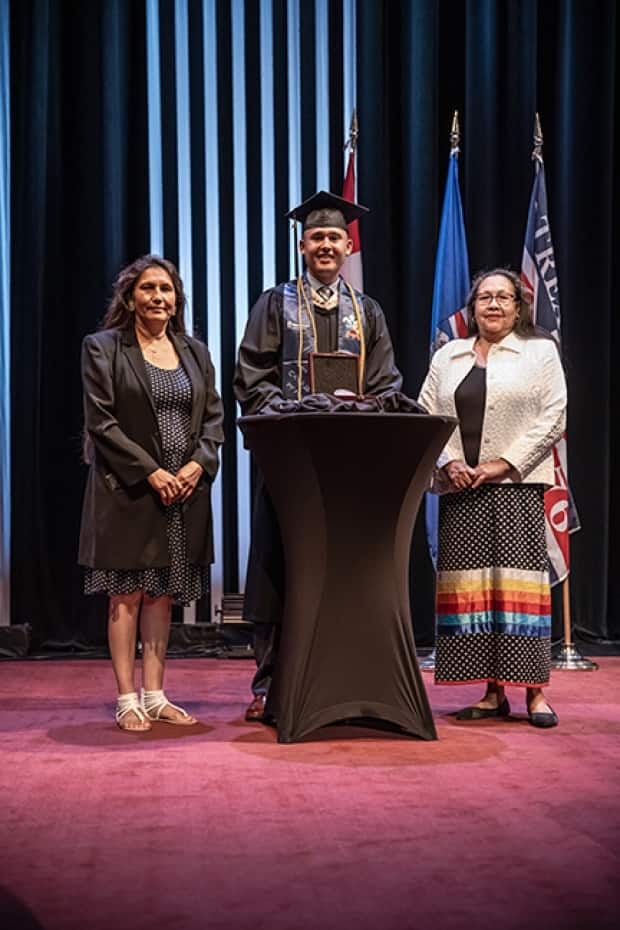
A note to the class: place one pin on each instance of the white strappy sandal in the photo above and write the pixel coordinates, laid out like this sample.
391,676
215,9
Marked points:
153,702
129,703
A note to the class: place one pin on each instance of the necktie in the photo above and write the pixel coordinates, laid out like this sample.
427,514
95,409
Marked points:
324,292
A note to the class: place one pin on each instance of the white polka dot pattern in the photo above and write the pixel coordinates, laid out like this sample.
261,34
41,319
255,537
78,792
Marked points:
516,660
493,620
493,525
172,396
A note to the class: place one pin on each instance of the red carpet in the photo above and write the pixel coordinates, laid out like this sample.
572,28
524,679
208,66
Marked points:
220,828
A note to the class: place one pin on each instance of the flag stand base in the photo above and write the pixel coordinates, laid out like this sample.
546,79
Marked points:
568,657
427,664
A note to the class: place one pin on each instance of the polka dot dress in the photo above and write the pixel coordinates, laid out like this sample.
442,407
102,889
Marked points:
172,397
493,596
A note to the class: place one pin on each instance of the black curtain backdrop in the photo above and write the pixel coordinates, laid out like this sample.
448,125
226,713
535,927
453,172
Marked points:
80,210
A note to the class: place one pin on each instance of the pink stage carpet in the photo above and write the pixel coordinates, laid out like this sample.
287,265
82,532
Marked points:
220,828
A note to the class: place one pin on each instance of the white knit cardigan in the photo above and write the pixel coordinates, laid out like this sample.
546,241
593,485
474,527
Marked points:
525,409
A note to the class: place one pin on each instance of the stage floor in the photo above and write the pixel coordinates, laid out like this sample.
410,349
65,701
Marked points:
219,827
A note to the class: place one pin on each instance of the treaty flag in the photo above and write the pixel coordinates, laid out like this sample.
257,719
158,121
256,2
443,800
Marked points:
451,286
352,270
540,282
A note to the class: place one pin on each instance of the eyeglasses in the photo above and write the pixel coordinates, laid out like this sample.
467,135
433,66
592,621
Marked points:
503,300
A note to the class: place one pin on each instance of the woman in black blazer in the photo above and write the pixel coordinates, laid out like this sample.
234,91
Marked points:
153,423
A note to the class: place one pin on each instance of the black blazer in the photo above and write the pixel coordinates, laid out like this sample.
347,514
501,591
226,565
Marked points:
123,519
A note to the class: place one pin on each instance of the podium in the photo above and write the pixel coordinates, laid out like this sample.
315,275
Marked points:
346,488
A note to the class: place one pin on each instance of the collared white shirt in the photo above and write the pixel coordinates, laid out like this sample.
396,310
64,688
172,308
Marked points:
525,407
315,284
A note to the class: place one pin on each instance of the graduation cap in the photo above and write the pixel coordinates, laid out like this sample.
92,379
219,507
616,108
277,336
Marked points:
326,209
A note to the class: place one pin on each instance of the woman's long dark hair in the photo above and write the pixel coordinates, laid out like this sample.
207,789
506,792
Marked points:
524,325
119,315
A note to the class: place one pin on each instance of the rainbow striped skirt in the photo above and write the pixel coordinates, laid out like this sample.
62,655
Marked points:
493,595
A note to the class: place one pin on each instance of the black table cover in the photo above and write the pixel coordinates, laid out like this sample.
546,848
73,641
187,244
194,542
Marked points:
346,488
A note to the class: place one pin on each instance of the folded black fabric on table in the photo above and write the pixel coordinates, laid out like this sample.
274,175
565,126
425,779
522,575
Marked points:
388,402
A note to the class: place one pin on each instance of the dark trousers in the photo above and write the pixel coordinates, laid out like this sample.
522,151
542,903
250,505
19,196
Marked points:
264,590
266,643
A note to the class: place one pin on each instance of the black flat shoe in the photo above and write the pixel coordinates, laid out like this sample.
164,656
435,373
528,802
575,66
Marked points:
481,713
544,720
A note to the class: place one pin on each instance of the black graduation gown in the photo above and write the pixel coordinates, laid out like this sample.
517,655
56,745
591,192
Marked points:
258,375
257,382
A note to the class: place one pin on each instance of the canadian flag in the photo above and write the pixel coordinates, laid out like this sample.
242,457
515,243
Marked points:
352,270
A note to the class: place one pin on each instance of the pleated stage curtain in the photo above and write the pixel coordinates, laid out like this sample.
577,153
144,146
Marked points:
191,127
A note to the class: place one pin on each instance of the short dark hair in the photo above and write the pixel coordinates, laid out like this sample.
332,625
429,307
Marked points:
118,314
524,325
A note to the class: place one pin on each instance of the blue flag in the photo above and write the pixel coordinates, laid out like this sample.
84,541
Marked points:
449,319
540,281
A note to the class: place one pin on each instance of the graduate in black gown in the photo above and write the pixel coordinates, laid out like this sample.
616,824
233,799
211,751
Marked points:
325,314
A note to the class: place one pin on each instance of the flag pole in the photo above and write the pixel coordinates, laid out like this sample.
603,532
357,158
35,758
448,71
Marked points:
427,663
294,234
352,270
567,656
538,139
455,134
354,131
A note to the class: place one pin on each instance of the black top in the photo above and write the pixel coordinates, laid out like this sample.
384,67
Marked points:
470,399
326,322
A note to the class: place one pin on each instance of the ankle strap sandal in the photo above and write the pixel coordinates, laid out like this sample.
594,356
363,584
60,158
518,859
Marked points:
154,702
129,704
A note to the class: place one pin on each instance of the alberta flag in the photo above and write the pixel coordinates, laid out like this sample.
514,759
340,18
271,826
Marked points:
540,281
352,270
449,318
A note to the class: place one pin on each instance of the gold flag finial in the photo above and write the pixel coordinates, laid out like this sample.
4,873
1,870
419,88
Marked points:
455,134
538,139
354,132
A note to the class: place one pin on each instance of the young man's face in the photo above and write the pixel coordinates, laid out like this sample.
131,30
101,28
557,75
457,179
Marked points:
325,249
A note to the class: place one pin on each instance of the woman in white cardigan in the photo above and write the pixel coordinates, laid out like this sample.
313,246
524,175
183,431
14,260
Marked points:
506,385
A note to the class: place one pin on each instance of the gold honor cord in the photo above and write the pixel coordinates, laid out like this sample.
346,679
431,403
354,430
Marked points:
361,368
302,298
